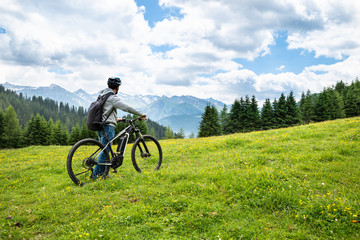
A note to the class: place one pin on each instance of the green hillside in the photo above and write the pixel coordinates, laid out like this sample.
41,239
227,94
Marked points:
294,183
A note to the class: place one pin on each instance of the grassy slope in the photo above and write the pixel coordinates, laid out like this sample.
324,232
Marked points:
300,183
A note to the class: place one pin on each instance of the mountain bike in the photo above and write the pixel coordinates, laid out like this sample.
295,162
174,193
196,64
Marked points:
146,154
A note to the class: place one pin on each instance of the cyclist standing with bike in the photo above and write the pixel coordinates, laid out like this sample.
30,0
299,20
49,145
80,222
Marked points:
110,116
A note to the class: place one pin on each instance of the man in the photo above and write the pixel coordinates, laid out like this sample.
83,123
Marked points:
109,113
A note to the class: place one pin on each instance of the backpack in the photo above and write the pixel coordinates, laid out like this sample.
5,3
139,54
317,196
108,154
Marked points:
94,119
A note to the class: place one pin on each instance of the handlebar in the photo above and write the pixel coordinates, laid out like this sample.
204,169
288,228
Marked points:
126,120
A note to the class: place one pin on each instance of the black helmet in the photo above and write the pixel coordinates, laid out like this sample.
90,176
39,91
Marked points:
114,82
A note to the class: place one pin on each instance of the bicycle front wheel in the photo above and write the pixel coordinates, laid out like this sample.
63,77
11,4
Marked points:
82,159
146,154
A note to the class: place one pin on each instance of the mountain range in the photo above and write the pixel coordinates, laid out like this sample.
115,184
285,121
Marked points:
177,111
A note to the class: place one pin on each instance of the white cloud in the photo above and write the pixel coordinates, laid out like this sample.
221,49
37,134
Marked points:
78,45
280,68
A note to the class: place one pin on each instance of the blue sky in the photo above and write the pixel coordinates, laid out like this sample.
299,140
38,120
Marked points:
224,49
155,13
283,59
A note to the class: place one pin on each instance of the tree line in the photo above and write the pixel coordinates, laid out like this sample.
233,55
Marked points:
339,101
37,121
38,131
26,107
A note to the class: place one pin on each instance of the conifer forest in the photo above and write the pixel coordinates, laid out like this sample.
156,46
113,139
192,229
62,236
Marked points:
339,101
37,121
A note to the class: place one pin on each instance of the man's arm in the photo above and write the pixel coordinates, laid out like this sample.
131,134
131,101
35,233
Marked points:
117,103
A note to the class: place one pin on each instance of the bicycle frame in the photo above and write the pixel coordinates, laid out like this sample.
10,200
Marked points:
126,131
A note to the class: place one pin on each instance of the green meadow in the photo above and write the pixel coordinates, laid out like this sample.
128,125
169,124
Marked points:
294,183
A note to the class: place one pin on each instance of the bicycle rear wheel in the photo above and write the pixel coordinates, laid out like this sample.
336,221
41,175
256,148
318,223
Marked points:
146,154
82,159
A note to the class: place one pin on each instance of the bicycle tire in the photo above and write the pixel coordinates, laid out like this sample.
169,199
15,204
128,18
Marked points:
143,162
81,158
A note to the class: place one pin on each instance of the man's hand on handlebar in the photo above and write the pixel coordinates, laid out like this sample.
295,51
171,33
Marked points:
142,117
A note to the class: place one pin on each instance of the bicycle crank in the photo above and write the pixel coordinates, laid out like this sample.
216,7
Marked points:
88,163
116,162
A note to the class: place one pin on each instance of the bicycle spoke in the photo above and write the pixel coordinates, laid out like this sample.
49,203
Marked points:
82,172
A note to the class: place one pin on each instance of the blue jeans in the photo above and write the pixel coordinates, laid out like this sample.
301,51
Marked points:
110,132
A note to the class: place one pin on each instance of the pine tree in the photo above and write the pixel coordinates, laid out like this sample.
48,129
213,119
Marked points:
267,115
224,120
234,124
2,129
292,114
280,110
215,121
192,135
350,104
341,88
60,134
12,130
74,135
245,115
56,133
329,105
169,134
28,132
274,107
337,105
180,134
51,129
204,128
64,137
44,131
352,99
254,115
152,132
210,122
321,110
306,107
85,132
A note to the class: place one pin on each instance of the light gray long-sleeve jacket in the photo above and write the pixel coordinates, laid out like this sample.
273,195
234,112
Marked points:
113,103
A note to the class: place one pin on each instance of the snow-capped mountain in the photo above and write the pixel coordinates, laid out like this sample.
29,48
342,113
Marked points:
86,97
177,106
138,101
177,111
54,92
